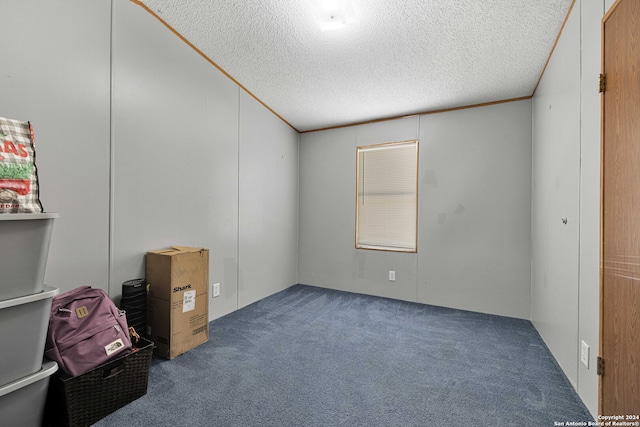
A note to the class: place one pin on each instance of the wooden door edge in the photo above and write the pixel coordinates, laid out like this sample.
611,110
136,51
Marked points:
605,18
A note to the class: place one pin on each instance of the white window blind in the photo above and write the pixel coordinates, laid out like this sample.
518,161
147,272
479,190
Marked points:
387,196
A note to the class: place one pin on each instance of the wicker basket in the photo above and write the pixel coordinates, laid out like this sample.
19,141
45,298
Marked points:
87,398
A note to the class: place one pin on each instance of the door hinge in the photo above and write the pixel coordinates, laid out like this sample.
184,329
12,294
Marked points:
602,83
600,368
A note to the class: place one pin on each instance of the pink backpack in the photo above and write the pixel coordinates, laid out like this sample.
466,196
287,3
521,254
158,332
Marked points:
86,329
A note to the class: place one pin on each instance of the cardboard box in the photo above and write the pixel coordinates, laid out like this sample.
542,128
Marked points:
178,300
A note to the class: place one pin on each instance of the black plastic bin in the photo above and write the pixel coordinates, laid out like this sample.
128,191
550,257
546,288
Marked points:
87,398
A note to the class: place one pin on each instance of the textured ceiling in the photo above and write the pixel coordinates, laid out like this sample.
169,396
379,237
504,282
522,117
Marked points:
400,57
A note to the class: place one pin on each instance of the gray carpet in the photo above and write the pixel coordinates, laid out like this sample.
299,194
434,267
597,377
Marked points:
316,357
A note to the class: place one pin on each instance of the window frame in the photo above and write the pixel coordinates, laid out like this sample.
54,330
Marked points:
386,248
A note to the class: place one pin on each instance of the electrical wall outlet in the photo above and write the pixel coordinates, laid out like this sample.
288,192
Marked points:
584,354
215,290
392,276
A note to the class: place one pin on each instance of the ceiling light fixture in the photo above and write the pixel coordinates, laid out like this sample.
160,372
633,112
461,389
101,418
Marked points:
333,14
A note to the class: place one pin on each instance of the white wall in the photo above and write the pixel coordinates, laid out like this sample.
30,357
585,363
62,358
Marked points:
566,183
589,278
474,211
142,144
326,251
555,195
475,205
55,73
268,182
175,152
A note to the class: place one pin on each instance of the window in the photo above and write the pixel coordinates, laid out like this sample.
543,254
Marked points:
387,196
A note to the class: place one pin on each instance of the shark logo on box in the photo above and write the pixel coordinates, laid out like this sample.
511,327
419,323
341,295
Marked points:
181,288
